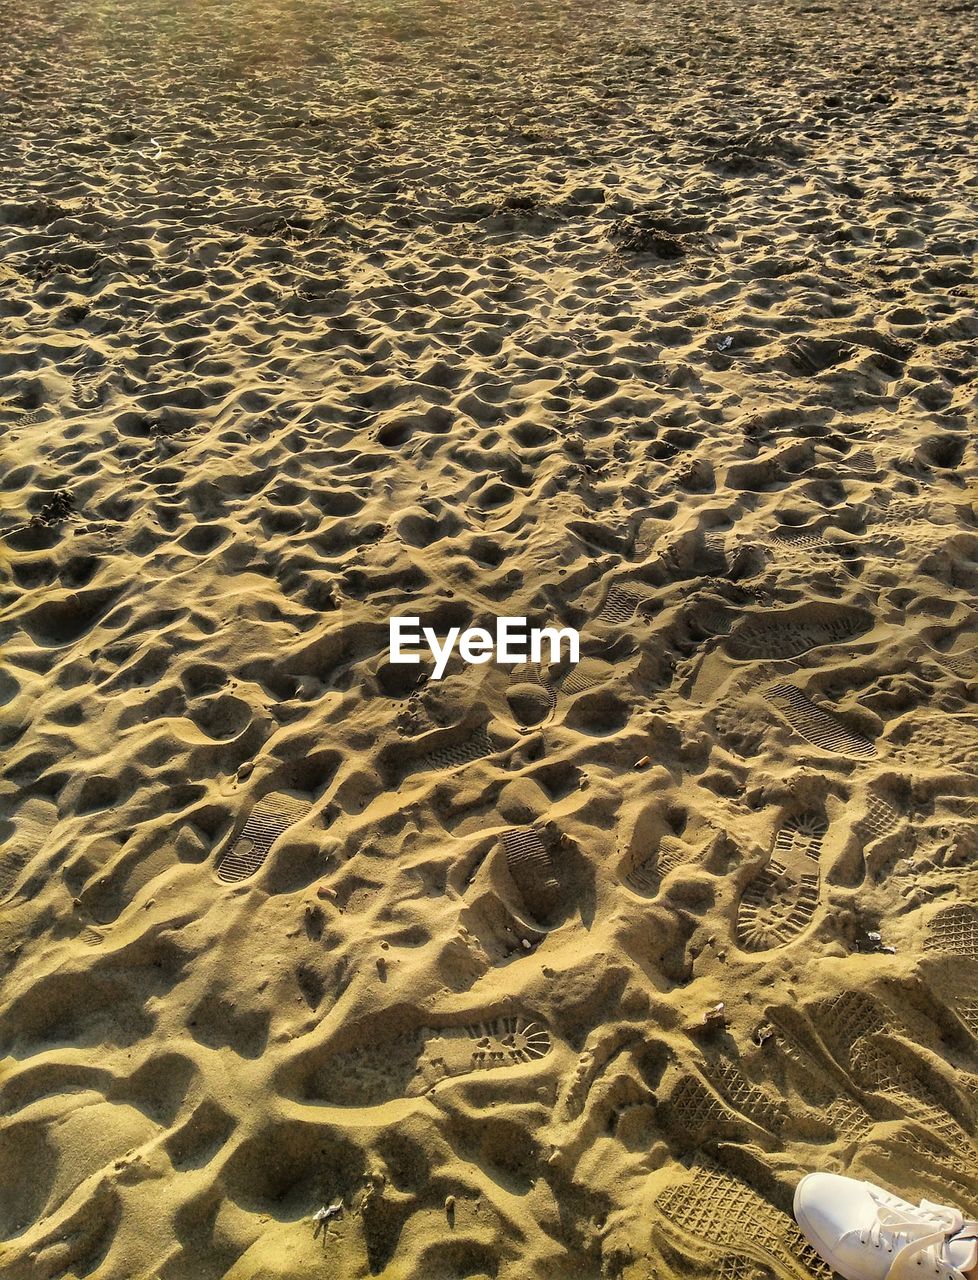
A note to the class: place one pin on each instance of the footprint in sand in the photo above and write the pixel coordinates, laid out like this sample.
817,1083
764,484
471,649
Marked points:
781,900
730,1223
844,1019
788,633
483,1046
588,674
882,1064
702,1110
748,1098
954,932
455,754
817,726
409,1065
271,817
532,871
878,821
86,389
646,875
621,604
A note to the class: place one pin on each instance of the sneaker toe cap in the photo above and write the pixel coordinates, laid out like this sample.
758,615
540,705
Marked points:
828,1206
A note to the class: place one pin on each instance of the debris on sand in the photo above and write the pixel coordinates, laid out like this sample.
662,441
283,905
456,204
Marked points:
324,1216
641,234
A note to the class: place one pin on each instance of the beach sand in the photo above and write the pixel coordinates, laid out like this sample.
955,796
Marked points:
654,321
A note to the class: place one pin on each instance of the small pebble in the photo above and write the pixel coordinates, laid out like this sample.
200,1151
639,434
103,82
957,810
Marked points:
715,1016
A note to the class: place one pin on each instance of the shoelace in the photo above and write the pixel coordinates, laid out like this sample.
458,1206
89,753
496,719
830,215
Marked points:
917,1242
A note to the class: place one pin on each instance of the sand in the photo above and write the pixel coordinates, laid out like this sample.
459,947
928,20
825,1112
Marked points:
655,321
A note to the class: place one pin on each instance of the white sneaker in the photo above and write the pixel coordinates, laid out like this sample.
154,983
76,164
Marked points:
866,1233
